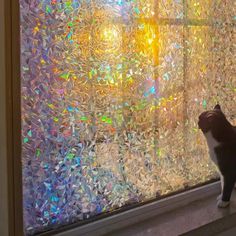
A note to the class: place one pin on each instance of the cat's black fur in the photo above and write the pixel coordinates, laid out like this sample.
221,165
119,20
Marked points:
223,135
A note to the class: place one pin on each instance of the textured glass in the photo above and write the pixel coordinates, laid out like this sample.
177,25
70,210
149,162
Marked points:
200,9
144,8
198,94
111,93
170,9
225,12
220,11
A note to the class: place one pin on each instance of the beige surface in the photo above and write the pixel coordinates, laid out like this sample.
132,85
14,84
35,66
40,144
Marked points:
202,215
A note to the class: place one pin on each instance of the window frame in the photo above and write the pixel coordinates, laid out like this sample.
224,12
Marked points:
11,34
13,157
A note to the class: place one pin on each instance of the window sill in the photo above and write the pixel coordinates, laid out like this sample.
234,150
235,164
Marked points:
189,213
201,217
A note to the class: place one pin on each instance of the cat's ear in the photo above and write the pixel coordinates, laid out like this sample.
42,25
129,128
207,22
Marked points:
217,107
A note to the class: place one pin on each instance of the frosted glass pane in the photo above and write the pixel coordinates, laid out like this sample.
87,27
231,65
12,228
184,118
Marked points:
206,60
199,96
200,9
170,9
225,12
220,10
171,59
110,101
145,8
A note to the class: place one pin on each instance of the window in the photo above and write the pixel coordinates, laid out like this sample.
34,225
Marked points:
111,93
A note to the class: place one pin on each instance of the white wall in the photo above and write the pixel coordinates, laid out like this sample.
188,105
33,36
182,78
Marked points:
3,165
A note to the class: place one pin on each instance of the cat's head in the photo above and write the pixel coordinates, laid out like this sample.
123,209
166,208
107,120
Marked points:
212,119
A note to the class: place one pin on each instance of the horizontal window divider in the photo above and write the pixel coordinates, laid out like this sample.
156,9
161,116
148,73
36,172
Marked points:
170,21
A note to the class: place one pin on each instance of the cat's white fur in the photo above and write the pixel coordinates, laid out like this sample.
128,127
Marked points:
212,144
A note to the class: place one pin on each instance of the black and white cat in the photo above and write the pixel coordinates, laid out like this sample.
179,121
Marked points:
221,140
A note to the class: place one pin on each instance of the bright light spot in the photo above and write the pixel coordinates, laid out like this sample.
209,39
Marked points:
110,34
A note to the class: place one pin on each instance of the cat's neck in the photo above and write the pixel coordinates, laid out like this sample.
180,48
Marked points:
226,133
211,141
